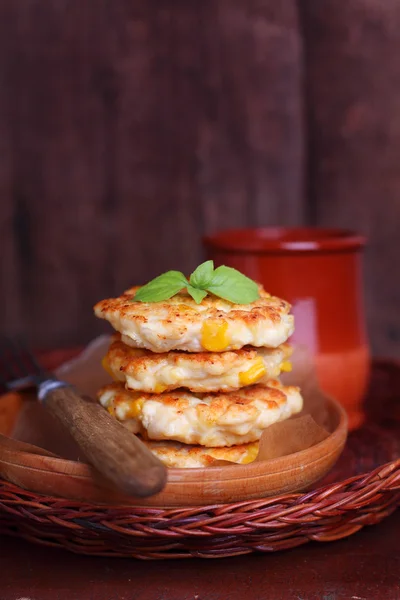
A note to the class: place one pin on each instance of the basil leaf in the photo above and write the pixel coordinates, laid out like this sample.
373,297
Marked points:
202,276
230,284
224,282
162,287
196,294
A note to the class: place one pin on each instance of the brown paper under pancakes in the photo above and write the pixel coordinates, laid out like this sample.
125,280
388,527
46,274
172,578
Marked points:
35,426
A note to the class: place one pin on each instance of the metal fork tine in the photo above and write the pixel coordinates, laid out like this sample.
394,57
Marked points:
30,360
16,357
18,367
8,367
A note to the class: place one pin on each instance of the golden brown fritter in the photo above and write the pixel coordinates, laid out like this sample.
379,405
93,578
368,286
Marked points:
174,454
212,420
146,371
214,325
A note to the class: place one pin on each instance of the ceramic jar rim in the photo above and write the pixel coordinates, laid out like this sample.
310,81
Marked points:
266,240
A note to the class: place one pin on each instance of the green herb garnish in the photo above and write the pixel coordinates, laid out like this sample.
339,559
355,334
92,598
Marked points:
224,282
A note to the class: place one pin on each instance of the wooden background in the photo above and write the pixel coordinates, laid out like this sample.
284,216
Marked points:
128,128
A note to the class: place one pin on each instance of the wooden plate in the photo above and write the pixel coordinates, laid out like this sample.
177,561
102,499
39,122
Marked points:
32,467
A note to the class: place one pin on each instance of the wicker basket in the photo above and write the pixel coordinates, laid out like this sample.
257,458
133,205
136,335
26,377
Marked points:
363,489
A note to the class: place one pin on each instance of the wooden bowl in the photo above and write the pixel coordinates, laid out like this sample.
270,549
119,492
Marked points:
36,469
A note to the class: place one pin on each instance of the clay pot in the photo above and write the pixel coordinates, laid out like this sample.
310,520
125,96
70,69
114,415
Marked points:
319,272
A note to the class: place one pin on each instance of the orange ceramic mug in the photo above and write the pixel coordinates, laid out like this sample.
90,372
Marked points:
319,272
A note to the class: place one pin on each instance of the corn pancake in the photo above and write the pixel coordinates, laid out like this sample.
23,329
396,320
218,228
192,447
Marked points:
177,455
212,420
146,371
214,325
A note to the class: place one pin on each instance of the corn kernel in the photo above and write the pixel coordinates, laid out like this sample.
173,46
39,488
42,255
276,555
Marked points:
251,454
253,374
159,388
135,408
111,410
106,366
214,336
286,366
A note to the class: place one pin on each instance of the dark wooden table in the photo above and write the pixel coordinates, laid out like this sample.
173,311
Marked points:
365,566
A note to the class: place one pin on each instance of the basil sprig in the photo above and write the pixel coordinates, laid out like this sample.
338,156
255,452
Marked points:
224,282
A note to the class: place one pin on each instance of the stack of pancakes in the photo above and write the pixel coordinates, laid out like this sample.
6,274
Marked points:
198,382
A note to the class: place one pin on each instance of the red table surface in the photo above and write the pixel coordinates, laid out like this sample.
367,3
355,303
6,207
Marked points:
365,566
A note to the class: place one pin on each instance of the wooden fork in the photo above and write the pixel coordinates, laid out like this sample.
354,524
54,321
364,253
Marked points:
113,450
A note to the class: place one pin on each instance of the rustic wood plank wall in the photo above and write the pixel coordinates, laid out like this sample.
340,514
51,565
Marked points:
352,58
128,128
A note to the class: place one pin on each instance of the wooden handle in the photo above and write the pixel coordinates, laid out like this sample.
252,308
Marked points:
115,452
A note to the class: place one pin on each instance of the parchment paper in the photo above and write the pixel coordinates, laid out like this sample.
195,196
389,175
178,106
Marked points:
35,426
